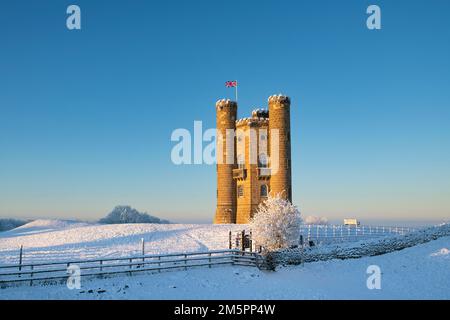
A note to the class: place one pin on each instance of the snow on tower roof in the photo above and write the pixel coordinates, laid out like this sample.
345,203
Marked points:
280,97
260,113
225,102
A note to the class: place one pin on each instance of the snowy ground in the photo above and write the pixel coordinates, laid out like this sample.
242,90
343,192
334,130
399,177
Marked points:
420,272
55,240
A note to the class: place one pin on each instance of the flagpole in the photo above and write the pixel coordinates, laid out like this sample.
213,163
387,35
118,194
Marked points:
236,91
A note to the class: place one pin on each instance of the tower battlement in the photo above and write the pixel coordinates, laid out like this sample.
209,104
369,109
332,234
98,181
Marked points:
260,113
251,121
279,98
226,103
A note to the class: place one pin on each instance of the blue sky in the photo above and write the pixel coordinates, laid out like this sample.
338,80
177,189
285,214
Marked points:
86,116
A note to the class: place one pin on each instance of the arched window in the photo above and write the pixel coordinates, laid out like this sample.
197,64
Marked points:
241,161
264,191
263,162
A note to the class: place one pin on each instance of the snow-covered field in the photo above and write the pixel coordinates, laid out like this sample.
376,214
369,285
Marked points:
419,272
55,240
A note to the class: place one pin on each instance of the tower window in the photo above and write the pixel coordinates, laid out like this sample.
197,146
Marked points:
263,161
240,191
264,191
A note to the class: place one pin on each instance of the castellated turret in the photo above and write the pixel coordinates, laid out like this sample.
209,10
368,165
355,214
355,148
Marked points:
280,179
226,111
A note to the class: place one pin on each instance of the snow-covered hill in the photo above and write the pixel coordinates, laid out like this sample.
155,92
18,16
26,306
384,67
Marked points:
51,240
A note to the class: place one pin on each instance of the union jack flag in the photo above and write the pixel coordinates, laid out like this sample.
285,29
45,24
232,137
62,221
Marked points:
230,84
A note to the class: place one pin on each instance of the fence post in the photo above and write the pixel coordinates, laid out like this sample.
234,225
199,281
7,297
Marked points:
229,240
159,263
20,259
185,262
101,265
31,275
242,241
251,241
209,259
143,252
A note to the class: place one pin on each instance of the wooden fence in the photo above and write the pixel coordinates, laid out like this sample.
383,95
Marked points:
49,271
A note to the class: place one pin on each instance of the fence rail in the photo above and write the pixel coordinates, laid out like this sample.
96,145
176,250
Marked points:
32,272
341,233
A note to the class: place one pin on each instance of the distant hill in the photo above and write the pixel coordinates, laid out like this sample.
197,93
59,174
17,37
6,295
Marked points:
126,214
8,224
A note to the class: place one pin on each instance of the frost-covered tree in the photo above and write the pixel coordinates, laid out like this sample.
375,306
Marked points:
126,214
276,224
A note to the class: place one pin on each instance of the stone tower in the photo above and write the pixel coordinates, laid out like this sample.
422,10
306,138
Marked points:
279,113
226,111
258,162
